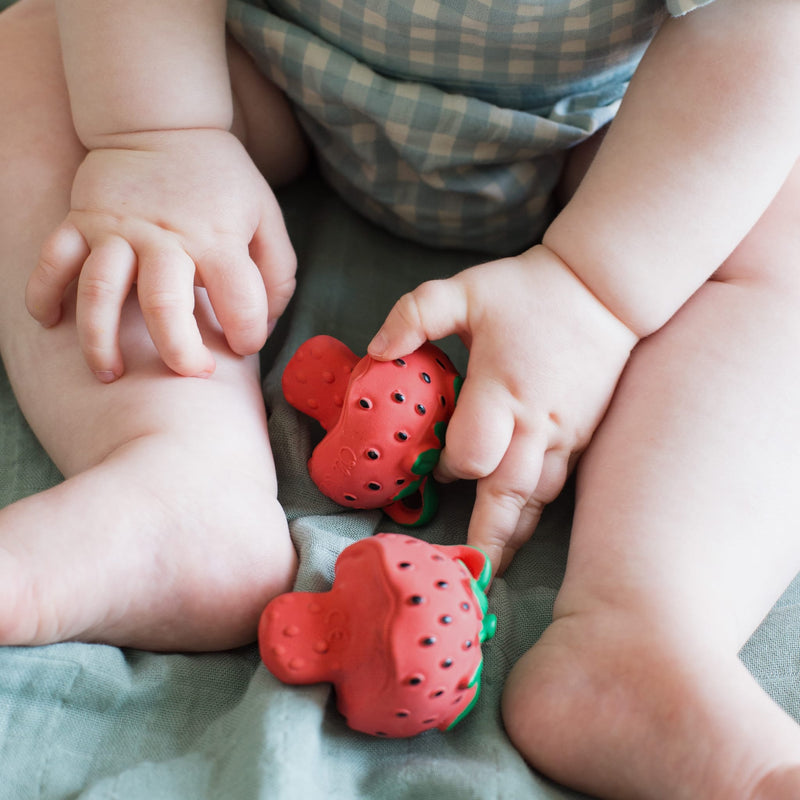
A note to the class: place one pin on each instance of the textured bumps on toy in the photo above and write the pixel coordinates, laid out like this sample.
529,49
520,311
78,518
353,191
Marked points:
399,634
385,423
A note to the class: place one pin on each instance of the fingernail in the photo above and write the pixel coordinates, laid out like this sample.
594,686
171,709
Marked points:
208,371
51,321
105,376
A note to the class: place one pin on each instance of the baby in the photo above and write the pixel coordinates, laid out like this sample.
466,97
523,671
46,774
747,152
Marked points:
138,150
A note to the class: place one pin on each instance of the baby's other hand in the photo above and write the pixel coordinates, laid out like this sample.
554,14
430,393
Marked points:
545,357
167,211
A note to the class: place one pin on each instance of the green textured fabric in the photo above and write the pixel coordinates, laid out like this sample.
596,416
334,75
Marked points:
90,722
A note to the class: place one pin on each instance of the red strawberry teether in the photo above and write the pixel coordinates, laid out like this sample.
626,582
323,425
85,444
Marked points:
385,423
399,634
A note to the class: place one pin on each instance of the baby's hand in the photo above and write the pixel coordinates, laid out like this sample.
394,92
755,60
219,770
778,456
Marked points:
545,356
167,211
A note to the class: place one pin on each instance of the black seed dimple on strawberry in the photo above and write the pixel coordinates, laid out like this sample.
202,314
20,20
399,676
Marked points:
385,423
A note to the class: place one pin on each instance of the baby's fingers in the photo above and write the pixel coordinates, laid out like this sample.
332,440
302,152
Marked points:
434,309
509,502
250,288
60,261
165,287
479,432
237,296
272,251
484,442
105,281
506,510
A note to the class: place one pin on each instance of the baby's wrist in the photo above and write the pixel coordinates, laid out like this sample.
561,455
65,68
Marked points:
618,300
586,302
642,284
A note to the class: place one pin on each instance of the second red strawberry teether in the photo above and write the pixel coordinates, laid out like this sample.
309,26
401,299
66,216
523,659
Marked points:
399,634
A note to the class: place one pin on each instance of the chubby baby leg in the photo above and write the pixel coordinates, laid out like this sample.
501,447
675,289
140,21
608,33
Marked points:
685,534
166,533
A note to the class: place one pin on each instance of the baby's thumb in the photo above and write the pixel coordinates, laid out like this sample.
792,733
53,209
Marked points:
434,309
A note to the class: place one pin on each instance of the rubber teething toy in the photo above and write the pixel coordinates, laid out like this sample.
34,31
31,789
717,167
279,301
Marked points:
385,423
399,634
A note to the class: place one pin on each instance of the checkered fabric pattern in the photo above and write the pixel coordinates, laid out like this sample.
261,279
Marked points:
447,121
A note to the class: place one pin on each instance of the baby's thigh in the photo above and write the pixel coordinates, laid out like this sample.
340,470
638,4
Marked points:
264,121
76,418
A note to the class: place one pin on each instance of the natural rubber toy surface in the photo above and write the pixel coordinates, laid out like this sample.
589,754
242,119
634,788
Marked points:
385,423
399,634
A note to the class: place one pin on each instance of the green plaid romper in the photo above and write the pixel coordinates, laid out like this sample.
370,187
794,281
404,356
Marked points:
447,121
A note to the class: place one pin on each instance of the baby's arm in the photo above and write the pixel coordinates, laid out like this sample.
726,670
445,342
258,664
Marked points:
167,197
144,65
707,134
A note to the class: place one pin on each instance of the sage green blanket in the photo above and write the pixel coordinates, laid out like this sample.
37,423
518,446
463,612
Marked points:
91,722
